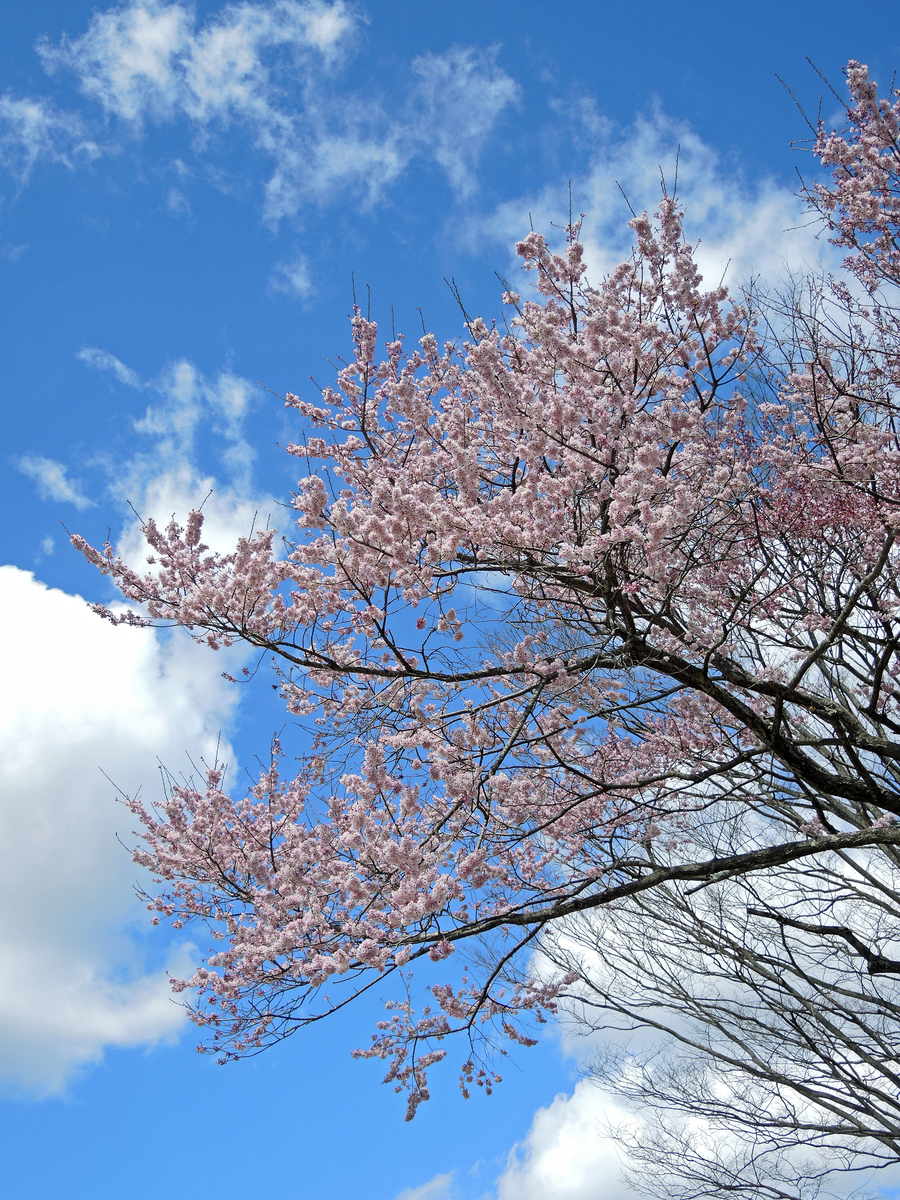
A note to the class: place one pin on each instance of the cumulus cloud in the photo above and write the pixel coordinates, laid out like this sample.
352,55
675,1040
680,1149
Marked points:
571,1151
229,513
568,1153
52,479
88,709
741,229
81,699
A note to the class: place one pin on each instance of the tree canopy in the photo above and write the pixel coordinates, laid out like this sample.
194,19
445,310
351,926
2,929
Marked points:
599,604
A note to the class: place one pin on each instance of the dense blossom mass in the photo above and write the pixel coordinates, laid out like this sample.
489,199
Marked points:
615,572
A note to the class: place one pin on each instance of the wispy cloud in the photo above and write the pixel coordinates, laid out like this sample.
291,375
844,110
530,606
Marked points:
190,401
14,253
438,1188
457,101
177,203
147,61
102,360
191,419
273,70
293,277
32,129
52,480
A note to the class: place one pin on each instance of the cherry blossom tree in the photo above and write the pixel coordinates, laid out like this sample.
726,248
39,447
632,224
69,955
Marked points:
599,604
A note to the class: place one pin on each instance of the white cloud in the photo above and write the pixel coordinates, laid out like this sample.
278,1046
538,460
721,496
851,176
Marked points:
229,513
52,480
272,69
128,59
147,61
186,396
568,1154
459,97
165,479
32,129
743,229
293,278
177,202
85,698
102,360
372,158
438,1188
81,698
449,113
569,1140
190,403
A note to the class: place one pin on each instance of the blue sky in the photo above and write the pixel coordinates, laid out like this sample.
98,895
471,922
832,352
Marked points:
187,192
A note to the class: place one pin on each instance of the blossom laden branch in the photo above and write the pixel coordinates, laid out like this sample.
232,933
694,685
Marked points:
558,601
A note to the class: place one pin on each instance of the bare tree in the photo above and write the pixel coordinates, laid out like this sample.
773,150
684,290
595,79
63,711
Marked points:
753,1022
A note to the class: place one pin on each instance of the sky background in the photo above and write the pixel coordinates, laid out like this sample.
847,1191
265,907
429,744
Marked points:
186,195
